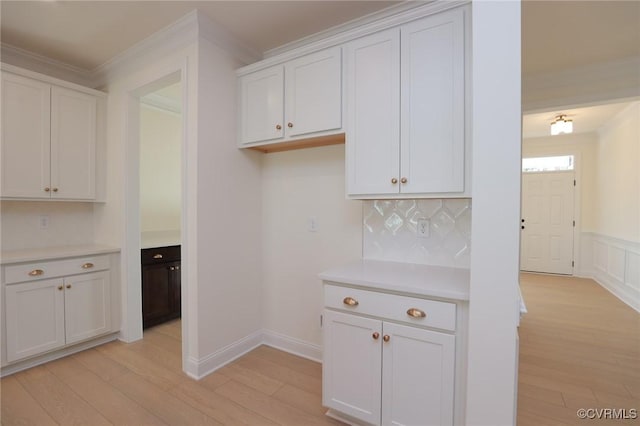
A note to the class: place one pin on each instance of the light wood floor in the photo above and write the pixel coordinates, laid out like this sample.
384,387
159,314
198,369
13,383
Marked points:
142,384
579,348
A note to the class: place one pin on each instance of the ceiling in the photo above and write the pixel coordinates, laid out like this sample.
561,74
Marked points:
585,120
86,34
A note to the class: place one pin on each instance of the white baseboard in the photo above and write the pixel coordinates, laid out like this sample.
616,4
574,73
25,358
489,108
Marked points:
619,291
198,368
292,345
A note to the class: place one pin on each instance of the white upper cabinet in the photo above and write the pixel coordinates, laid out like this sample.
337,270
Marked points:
48,141
299,99
406,110
26,137
373,113
262,105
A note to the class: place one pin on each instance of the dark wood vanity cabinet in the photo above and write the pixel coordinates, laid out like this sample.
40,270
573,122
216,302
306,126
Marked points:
160,285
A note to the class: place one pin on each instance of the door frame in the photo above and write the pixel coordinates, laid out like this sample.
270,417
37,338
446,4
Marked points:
577,200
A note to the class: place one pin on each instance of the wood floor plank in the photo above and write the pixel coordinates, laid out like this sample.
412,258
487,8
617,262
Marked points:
108,400
58,400
162,404
299,364
172,329
303,381
19,407
218,407
306,401
251,378
267,406
100,364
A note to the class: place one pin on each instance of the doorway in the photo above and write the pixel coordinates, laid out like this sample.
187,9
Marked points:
161,207
547,222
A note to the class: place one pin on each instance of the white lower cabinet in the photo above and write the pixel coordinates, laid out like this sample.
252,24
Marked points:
44,314
384,373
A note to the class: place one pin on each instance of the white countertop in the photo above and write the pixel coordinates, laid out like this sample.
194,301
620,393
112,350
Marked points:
30,255
152,239
423,280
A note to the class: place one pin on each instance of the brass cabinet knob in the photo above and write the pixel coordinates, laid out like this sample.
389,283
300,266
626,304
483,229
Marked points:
171,268
386,338
47,189
416,313
157,256
55,189
60,287
350,301
36,272
177,268
68,285
87,265
394,181
278,127
375,335
289,125
403,180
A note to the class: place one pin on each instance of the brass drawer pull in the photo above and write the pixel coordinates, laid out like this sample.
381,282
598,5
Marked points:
416,313
87,265
157,256
36,272
350,301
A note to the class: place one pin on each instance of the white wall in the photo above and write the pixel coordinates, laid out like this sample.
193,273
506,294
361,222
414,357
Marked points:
160,174
70,223
228,217
618,177
492,355
296,186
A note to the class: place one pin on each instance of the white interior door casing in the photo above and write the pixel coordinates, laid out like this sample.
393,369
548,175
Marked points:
351,371
373,113
433,99
73,144
314,93
418,376
548,214
25,145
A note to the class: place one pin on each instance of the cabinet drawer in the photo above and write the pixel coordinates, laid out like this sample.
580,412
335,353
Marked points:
54,268
438,314
160,255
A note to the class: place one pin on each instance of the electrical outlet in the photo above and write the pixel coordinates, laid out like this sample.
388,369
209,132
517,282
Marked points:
44,221
312,224
423,228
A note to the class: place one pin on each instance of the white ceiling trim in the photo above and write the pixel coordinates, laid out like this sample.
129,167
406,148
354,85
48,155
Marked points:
44,65
378,21
223,38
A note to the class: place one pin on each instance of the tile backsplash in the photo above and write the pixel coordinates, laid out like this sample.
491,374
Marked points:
390,231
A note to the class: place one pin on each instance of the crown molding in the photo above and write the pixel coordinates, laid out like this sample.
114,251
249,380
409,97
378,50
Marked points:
47,78
377,21
44,65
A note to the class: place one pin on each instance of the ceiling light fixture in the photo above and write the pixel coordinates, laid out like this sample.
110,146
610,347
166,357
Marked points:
561,125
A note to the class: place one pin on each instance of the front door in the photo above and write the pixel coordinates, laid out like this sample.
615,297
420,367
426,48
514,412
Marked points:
547,222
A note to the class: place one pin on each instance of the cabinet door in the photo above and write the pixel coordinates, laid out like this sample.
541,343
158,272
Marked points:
262,105
87,306
417,376
351,365
433,120
158,293
25,146
34,318
73,144
314,93
373,112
